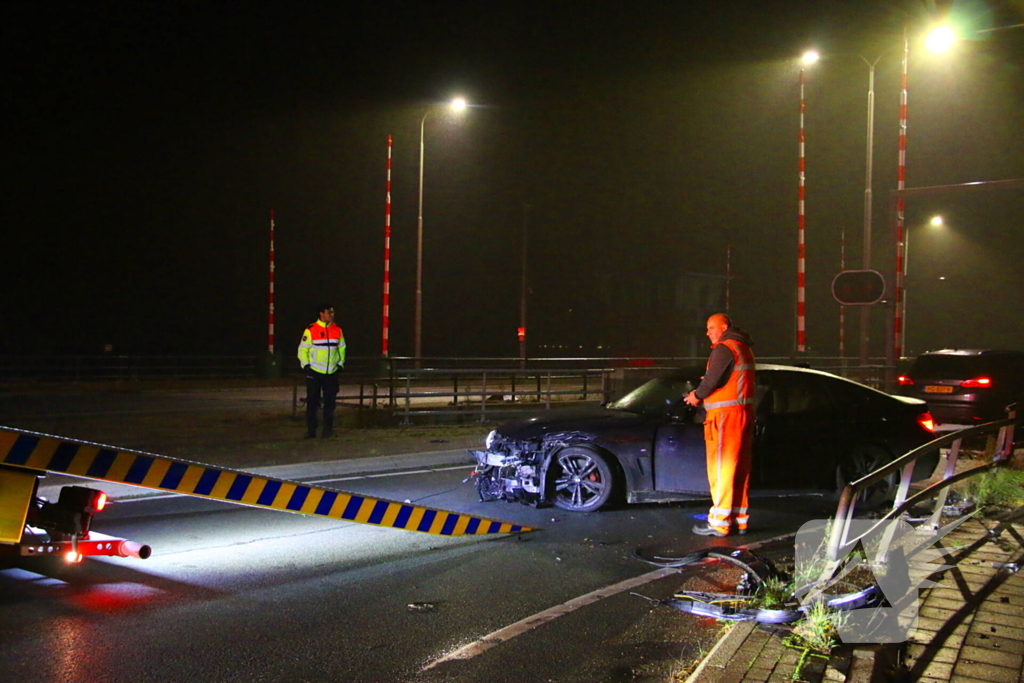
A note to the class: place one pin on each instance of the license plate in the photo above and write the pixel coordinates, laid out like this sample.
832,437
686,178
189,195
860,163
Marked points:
938,389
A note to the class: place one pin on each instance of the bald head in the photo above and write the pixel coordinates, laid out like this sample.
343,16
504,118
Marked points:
717,325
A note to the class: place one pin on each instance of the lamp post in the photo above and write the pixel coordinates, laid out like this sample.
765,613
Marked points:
939,40
865,311
458,104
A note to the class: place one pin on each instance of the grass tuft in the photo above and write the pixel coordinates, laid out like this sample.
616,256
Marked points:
819,629
1001,487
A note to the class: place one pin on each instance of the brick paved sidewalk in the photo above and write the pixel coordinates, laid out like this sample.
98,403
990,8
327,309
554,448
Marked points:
970,627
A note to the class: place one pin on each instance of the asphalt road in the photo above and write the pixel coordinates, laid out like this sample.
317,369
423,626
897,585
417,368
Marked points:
237,594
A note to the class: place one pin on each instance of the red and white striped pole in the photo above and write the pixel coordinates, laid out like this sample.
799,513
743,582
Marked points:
386,320
800,248
270,319
901,177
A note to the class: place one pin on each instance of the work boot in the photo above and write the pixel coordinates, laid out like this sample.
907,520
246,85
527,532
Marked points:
708,530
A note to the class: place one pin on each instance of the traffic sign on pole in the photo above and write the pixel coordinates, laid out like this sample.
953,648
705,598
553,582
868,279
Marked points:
858,287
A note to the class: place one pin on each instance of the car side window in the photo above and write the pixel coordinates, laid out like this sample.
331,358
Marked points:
853,397
793,394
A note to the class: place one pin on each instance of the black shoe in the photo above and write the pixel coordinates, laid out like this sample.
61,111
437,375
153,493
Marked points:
310,435
708,530
327,435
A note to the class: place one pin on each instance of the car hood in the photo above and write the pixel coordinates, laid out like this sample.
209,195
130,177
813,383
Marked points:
588,419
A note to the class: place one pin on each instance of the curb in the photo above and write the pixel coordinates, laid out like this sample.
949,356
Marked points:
722,653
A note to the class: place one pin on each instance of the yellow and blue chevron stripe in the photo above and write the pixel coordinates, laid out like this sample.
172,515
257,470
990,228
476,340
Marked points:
47,453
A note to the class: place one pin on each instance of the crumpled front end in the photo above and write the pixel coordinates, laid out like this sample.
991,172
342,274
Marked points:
511,470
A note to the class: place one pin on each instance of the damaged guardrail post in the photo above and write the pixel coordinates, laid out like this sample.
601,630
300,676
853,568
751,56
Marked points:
940,500
841,526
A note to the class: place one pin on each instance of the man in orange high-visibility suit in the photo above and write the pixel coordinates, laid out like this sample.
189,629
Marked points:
727,393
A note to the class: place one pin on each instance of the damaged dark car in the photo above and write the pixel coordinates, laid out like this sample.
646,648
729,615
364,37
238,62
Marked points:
814,432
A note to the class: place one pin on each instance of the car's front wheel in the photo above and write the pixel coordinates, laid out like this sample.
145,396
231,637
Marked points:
581,479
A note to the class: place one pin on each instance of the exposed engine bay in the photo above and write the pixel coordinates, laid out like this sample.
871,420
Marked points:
517,470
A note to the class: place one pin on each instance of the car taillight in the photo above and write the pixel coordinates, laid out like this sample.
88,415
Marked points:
101,501
976,383
927,421
905,381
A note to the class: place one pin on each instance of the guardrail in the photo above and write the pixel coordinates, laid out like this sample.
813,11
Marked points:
123,368
471,392
839,542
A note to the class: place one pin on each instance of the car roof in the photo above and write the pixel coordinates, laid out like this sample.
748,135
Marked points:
686,373
973,352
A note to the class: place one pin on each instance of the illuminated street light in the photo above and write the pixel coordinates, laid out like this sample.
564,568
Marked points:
868,180
458,104
810,57
936,221
940,40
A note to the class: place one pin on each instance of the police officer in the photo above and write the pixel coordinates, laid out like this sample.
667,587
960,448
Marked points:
727,392
322,357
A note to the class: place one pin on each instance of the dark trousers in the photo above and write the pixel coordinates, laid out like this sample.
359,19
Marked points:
317,384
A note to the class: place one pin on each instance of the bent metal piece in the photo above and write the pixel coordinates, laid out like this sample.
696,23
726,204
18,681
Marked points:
730,606
46,453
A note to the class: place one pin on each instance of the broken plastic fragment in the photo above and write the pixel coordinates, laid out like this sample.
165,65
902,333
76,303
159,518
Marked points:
420,607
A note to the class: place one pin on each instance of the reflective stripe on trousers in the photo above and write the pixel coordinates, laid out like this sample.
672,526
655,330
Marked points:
729,436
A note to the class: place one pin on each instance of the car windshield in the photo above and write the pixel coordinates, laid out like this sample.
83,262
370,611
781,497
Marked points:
658,395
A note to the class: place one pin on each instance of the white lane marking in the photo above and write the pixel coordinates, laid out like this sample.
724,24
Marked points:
166,496
522,626
390,474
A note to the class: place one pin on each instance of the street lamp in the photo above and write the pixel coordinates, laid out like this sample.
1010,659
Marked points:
936,40
940,40
865,312
457,105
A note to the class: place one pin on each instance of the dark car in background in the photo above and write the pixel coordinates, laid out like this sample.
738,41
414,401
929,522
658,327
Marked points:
814,432
966,386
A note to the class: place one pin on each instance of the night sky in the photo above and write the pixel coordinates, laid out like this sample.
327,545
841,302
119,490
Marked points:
147,143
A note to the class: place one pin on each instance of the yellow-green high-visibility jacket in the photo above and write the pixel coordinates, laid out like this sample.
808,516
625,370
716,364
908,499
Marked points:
322,348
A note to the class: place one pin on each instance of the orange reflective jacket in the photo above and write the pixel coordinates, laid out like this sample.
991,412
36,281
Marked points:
739,388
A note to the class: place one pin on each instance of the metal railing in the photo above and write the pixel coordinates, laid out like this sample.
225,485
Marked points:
123,368
473,392
839,542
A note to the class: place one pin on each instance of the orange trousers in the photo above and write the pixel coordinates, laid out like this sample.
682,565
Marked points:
729,437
